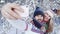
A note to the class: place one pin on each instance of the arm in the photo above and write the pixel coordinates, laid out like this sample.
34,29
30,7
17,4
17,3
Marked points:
37,24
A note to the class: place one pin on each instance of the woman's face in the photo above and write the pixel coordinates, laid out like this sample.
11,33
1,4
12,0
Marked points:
39,18
46,17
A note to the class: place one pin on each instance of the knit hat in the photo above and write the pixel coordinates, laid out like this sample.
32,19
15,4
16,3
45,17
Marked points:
38,12
50,13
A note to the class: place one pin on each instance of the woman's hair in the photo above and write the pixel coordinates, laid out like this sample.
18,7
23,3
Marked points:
50,25
49,22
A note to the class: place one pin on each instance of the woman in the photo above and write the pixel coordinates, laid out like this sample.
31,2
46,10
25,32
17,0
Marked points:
48,19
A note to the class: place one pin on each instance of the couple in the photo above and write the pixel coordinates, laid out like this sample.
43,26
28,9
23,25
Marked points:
42,21
17,16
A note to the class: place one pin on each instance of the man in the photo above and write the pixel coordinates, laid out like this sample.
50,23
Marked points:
16,16
11,11
37,21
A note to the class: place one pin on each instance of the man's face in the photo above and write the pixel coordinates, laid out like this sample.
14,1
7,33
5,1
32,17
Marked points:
46,17
39,18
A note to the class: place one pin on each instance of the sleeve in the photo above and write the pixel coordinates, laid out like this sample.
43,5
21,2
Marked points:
38,25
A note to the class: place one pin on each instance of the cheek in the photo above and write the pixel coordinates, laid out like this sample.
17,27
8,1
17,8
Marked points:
41,18
36,18
46,19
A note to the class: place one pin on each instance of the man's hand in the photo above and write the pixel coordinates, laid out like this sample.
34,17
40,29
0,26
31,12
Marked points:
11,11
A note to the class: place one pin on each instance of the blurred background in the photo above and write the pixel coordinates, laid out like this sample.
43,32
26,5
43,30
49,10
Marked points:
44,4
